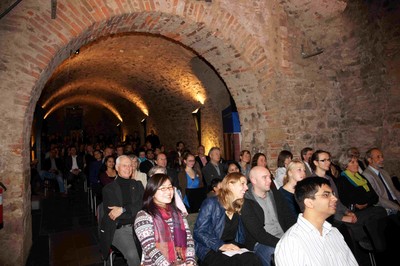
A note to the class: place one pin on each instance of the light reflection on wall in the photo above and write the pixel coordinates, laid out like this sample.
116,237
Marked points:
87,100
97,86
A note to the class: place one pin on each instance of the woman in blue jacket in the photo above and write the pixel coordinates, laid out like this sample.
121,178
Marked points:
219,230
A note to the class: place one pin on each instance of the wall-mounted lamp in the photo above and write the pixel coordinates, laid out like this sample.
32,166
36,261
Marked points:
197,121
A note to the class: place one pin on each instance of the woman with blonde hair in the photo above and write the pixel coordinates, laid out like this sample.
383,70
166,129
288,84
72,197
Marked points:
296,171
219,230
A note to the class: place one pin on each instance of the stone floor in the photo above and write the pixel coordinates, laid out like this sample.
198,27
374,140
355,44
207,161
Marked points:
64,232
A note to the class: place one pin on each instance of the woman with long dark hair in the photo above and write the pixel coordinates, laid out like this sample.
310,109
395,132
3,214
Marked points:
161,228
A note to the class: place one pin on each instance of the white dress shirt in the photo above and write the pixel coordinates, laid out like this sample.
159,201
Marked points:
303,245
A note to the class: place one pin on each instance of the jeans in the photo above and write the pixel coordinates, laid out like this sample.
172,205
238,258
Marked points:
52,176
264,252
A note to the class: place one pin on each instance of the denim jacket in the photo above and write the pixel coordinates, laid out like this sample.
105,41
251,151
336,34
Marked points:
209,227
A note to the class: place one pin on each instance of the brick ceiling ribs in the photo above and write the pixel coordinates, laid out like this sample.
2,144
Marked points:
132,72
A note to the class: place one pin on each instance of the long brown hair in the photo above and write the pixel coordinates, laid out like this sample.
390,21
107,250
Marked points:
225,195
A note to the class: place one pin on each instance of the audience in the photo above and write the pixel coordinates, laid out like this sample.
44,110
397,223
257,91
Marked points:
380,180
259,159
245,163
296,171
122,200
52,169
136,174
232,167
219,227
148,163
189,177
284,158
313,240
94,171
161,228
108,173
265,214
215,187
306,154
74,165
201,158
213,169
355,190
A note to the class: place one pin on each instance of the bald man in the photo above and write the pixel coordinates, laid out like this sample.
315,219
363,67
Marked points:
265,214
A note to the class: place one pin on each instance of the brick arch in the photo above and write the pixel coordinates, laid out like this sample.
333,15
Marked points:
34,45
99,85
93,100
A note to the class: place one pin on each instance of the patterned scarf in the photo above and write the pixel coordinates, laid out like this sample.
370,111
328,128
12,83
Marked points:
356,179
172,248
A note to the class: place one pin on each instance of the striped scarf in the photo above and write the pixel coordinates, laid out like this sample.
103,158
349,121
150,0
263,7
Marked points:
172,248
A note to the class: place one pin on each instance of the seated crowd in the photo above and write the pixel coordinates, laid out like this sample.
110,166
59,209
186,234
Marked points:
312,212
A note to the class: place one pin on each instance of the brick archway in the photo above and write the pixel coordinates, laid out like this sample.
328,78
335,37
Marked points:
215,35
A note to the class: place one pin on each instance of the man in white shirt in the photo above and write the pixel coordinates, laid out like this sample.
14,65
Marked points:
313,240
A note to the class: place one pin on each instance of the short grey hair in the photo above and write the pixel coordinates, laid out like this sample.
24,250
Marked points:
118,161
157,170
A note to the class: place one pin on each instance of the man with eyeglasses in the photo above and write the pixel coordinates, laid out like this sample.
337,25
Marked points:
122,199
313,240
344,219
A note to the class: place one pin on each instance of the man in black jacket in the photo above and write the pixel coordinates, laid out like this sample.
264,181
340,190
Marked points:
122,199
265,214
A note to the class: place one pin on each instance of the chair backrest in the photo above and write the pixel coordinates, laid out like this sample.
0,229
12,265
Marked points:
195,197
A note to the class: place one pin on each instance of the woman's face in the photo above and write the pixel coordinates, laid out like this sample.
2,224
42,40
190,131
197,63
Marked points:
200,150
110,162
239,188
134,164
353,166
298,172
190,161
232,168
245,157
287,161
262,161
164,194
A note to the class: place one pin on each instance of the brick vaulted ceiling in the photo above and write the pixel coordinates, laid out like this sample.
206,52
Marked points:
131,75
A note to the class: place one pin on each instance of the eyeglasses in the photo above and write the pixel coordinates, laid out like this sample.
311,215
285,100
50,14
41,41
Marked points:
326,195
163,189
325,160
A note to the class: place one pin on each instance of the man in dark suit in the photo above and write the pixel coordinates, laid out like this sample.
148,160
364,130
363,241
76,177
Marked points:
213,169
264,231
122,199
53,168
147,164
74,165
